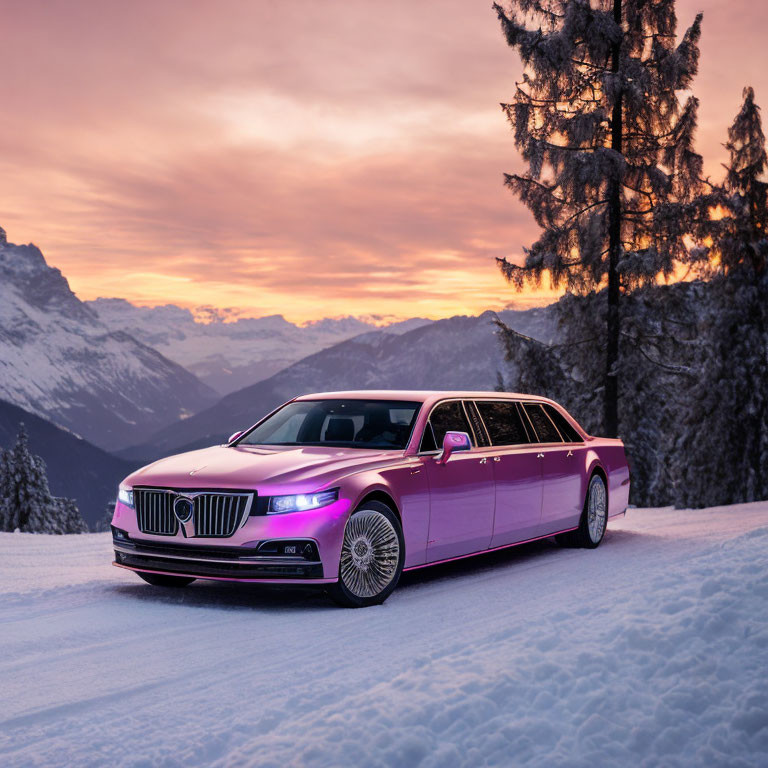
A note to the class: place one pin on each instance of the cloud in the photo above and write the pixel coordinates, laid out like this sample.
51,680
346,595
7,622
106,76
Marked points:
305,158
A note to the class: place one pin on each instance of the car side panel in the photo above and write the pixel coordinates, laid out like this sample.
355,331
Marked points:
563,484
406,484
609,455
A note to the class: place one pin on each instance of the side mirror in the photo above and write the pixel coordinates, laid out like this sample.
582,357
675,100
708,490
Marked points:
234,436
454,441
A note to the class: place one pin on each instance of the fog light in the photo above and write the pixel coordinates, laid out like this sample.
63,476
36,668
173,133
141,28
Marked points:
119,534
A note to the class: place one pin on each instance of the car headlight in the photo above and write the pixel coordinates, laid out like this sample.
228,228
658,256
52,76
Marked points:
301,502
125,495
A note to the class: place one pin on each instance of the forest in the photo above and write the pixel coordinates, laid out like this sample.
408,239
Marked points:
664,324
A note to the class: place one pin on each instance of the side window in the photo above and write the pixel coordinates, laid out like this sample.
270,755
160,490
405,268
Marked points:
545,429
570,435
477,423
446,417
503,422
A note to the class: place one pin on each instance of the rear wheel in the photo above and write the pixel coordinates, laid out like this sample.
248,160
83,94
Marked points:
162,580
372,556
594,518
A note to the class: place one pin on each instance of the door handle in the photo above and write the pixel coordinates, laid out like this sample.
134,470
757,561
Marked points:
570,453
539,455
497,458
483,460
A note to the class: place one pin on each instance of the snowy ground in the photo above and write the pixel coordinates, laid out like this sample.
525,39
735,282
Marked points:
651,650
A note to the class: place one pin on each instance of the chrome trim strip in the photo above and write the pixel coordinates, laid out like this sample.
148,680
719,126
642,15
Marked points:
248,560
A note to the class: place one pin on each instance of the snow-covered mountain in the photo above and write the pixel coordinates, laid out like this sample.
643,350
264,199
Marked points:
58,360
457,353
230,355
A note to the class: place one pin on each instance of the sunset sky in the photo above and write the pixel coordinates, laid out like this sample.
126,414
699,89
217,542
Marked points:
305,158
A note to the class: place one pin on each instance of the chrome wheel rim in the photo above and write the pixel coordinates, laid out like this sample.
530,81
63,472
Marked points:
596,509
370,553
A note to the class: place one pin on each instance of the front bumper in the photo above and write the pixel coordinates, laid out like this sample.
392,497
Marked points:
219,563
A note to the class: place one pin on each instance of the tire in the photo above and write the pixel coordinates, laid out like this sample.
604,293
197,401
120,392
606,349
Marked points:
161,580
373,536
594,518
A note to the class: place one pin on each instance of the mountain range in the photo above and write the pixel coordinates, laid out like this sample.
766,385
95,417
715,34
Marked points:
460,352
59,361
230,355
96,378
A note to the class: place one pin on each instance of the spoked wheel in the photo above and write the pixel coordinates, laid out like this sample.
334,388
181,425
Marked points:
162,580
372,556
593,520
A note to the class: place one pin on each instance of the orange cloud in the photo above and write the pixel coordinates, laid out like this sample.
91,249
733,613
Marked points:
308,158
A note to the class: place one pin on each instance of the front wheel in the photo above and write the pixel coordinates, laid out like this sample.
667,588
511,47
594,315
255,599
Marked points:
372,556
162,580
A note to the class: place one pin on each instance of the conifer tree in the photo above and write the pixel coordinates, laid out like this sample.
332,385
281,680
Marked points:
727,413
4,493
612,171
25,498
26,490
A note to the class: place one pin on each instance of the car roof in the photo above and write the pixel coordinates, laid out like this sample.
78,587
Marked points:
416,395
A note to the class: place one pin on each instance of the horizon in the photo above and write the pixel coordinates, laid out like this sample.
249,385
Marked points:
264,176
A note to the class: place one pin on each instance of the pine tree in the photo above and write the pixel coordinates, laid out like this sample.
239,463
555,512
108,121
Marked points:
105,524
69,519
732,395
26,499
612,173
5,512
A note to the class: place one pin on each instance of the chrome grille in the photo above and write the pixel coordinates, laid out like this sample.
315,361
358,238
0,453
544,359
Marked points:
215,514
219,514
154,512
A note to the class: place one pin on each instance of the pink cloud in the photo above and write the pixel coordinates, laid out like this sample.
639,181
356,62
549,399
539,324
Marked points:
309,158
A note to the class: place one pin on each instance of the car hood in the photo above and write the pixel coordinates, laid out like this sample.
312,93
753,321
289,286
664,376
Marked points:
285,469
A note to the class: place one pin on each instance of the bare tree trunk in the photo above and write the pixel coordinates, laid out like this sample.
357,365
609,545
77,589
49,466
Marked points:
611,403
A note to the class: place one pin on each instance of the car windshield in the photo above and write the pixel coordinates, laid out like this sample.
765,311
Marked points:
382,424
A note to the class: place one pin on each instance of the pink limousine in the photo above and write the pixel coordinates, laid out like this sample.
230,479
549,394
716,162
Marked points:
350,489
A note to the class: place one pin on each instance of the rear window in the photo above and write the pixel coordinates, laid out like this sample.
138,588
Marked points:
569,433
545,429
503,422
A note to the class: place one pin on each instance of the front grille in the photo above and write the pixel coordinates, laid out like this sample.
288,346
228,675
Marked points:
219,514
215,514
154,512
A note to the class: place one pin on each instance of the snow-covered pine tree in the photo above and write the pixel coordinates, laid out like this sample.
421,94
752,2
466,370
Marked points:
26,490
728,409
611,165
69,519
28,503
5,512
106,522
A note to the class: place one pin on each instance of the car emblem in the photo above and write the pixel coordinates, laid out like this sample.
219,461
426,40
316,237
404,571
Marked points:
183,508
195,471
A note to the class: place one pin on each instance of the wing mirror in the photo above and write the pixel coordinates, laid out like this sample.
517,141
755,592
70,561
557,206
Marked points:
234,436
453,441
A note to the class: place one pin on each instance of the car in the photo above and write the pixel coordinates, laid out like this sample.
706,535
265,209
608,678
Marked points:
347,490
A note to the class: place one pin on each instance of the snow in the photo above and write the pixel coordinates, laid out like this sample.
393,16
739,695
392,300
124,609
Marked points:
651,650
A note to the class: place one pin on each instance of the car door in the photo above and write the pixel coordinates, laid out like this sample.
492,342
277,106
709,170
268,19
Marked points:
561,477
461,491
517,472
